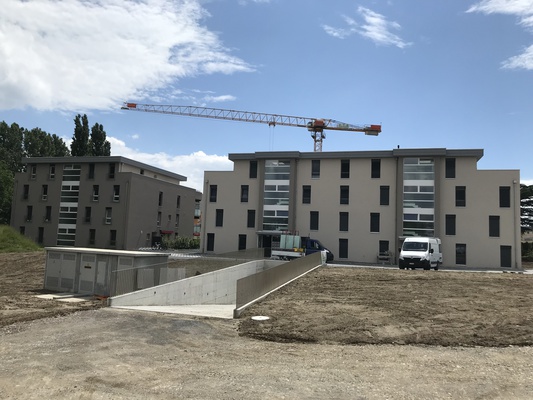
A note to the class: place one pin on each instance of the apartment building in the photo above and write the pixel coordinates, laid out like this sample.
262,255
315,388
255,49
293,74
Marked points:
103,202
363,203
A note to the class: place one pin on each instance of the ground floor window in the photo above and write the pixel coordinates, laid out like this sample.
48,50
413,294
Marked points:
210,242
460,254
242,242
505,257
343,248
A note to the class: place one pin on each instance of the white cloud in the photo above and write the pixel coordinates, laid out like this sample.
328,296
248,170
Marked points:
218,99
191,166
78,54
374,26
523,9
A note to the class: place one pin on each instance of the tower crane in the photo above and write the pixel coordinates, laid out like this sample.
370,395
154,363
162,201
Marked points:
314,125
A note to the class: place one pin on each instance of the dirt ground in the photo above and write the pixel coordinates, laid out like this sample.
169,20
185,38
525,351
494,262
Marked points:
336,333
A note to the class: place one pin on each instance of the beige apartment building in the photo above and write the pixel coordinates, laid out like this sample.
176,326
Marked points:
363,203
103,202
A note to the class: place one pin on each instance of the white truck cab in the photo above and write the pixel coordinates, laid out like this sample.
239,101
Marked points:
420,252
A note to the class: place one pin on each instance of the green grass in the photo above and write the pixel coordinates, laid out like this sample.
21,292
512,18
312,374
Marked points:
13,242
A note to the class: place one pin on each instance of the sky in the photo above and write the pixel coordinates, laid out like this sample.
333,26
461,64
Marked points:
442,73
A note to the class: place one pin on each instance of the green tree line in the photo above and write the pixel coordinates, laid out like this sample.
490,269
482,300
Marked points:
17,142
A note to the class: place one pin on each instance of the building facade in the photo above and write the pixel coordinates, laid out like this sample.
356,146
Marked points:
102,202
364,203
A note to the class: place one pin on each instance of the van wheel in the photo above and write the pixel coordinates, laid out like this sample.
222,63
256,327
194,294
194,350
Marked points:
436,266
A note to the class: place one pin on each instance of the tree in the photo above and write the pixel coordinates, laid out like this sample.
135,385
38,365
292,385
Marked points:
98,145
526,207
11,148
80,141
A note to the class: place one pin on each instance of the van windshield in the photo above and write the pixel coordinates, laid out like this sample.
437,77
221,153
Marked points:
415,246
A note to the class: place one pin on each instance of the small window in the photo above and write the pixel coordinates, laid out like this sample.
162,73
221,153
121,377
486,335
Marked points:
384,194
313,220
48,214
116,193
345,195
87,214
112,238
52,171
250,223
494,225
460,254
160,199
92,236
253,169
343,221
506,257
44,193
158,222
219,217
450,224
242,242
343,248
33,171
178,201
315,168
108,215
40,235
210,242
450,168
213,193
96,192
374,222
177,224
91,171
29,213
345,169
26,192
460,196
375,168
111,174
383,247
306,194
505,196
244,193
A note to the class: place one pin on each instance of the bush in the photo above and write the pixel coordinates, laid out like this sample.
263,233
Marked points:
12,241
527,251
181,243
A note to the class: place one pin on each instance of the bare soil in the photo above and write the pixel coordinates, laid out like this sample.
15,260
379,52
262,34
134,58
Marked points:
335,333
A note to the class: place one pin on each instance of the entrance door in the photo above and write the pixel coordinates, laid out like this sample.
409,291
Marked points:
87,273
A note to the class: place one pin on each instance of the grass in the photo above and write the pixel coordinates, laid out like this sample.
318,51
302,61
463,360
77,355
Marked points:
12,241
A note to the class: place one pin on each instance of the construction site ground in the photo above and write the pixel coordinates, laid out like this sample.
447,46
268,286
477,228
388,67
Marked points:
338,332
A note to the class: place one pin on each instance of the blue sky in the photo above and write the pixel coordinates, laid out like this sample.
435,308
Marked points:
440,73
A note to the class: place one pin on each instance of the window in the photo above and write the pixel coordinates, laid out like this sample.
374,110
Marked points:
313,220
374,222
44,193
450,224
22,230
375,168
345,195
112,238
213,193
52,171
383,246
384,194
343,248
219,220
250,223
111,174
116,193
158,222
178,201
505,196
460,196
210,242
87,214
306,194
33,171
506,256
460,253
96,192
242,242
48,214
91,171
29,213
315,168
345,169
160,200
26,192
40,235
343,221
108,215
244,193
494,225
450,168
253,169
92,236
177,224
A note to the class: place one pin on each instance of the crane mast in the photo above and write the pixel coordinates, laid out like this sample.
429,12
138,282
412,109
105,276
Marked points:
314,125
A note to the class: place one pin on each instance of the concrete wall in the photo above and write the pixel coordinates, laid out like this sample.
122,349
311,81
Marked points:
217,287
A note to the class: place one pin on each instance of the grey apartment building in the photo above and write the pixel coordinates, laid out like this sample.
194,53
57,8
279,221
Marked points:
363,203
103,202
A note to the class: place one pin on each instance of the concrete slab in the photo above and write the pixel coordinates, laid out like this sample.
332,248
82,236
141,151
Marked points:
224,311
65,297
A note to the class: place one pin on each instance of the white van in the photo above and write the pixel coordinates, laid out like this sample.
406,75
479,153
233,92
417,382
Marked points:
420,252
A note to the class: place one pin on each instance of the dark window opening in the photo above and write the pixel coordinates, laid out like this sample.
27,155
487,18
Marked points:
460,254
345,168
213,193
345,195
450,168
315,168
91,171
219,218
494,226
306,194
244,193
505,196
460,196
313,223
506,256
375,168
343,221
242,242
343,248
250,223
384,194
374,222
210,242
450,224
253,169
